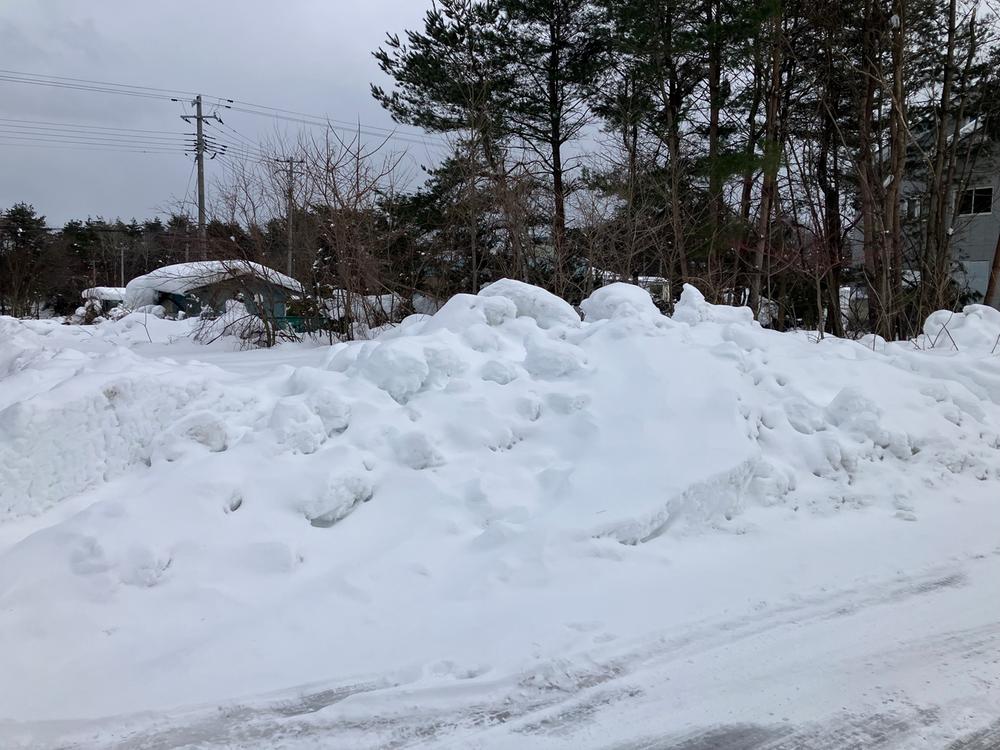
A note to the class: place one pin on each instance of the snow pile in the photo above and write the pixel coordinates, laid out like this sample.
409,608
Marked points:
546,309
727,410
619,300
692,308
976,328
499,458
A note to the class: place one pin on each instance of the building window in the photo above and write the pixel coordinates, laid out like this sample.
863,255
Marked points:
976,201
911,208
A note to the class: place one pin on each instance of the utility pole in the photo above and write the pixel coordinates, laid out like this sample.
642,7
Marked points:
199,155
291,203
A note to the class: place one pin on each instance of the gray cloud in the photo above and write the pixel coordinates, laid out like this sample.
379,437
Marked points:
307,55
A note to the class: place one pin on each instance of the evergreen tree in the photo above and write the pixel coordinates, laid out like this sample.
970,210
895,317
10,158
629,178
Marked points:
560,48
24,243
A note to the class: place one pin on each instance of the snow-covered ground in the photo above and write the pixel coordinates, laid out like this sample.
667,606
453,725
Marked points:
501,527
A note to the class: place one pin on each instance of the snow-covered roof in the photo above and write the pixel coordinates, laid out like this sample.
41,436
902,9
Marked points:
182,278
104,293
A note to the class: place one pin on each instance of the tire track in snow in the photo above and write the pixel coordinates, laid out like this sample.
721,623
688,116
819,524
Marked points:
552,700
877,731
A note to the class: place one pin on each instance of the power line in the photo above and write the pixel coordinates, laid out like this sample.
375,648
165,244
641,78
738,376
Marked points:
325,120
243,142
82,87
173,148
68,82
85,137
246,146
359,129
83,147
101,136
82,126
187,190
239,105
239,136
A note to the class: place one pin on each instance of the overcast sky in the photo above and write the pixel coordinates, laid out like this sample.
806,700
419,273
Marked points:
313,56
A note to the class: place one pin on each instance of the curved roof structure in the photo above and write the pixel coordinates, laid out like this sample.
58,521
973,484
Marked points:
182,278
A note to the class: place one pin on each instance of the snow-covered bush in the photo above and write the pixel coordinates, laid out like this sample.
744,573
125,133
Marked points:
237,322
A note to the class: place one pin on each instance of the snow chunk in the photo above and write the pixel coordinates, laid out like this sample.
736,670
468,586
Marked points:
345,491
331,410
203,428
297,427
396,368
855,413
545,308
498,371
619,300
414,449
552,359
465,311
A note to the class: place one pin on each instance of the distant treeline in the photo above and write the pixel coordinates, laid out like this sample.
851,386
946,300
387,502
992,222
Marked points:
744,146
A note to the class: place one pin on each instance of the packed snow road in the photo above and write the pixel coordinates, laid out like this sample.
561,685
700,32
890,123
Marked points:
789,675
501,527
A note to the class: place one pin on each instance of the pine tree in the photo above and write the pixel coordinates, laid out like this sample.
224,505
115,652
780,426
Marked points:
23,242
559,49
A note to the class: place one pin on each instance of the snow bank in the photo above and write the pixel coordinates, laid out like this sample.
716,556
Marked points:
501,457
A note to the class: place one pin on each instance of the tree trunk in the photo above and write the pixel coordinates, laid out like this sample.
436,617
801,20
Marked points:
898,142
715,198
772,153
872,229
935,263
672,100
555,142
